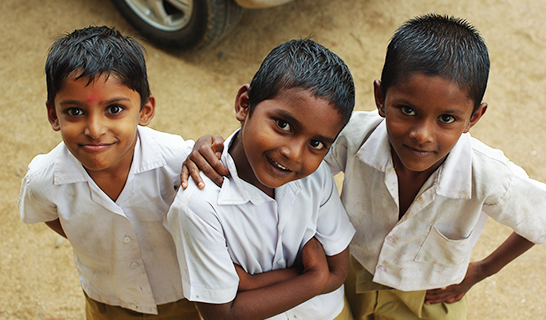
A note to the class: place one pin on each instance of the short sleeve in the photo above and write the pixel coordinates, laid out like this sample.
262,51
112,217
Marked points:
208,273
337,155
31,208
510,196
334,230
521,208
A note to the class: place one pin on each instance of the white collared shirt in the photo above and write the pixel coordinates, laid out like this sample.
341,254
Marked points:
237,223
430,246
123,253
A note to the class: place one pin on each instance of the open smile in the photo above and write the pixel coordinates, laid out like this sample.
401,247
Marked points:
275,164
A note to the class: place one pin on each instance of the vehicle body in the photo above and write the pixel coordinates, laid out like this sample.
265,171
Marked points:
186,24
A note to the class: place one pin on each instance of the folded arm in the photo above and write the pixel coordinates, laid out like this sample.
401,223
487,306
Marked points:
276,298
337,266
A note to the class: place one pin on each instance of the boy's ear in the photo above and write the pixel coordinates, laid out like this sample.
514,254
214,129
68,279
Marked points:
147,112
241,103
52,117
476,116
379,98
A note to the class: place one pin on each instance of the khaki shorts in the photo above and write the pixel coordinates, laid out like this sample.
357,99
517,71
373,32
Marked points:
369,300
346,313
179,310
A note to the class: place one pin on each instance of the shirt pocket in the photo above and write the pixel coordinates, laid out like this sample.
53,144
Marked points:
440,250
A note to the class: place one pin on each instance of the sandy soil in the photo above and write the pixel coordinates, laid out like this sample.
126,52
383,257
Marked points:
195,92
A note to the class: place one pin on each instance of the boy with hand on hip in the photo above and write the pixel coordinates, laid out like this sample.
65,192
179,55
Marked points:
272,241
418,188
108,185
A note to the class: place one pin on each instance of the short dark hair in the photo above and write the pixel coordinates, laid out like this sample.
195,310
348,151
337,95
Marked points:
92,52
308,65
438,46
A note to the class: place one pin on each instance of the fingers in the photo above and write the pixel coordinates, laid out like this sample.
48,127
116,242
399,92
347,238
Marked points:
207,161
456,298
205,155
190,168
447,295
217,144
184,176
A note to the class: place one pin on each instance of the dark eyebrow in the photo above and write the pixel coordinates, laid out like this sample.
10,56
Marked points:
454,111
411,105
326,139
288,117
64,102
79,102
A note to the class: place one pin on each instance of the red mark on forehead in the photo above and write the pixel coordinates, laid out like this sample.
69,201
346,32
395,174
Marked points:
91,99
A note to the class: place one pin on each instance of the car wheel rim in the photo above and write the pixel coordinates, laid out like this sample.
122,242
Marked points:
166,15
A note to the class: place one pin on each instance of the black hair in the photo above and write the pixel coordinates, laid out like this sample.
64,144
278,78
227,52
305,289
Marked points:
308,65
92,52
438,46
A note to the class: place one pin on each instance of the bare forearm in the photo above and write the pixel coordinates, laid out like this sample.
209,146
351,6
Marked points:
338,266
514,246
266,279
269,301
55,225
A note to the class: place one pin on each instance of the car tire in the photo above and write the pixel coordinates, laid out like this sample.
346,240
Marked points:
181,24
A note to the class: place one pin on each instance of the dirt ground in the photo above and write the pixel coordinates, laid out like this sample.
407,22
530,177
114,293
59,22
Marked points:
195,93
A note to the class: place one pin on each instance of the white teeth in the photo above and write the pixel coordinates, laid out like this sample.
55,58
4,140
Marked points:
280,166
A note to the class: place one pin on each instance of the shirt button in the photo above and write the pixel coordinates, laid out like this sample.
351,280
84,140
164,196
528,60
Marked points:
280,261
390,239
381,268
126,239
134,265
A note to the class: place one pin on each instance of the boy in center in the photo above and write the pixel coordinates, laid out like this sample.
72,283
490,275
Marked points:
272,241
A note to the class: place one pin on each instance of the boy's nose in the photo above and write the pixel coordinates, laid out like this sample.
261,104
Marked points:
293,150
95,127
422,132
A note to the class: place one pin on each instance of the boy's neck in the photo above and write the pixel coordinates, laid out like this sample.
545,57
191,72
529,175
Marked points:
244,170
110,182
409,183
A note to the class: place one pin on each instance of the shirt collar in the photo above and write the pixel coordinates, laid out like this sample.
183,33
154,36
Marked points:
454,175
68,169
235,190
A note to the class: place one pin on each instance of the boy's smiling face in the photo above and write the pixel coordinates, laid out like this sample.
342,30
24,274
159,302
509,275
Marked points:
285,138
98,121
425,116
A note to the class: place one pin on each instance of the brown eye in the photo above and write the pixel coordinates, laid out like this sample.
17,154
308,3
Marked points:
318,145
446,118
74,112
283,125
115,109
407,111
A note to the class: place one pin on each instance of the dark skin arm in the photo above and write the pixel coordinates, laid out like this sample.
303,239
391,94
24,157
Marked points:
205,157
514,246
337,265
248,282
55,225
271,300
